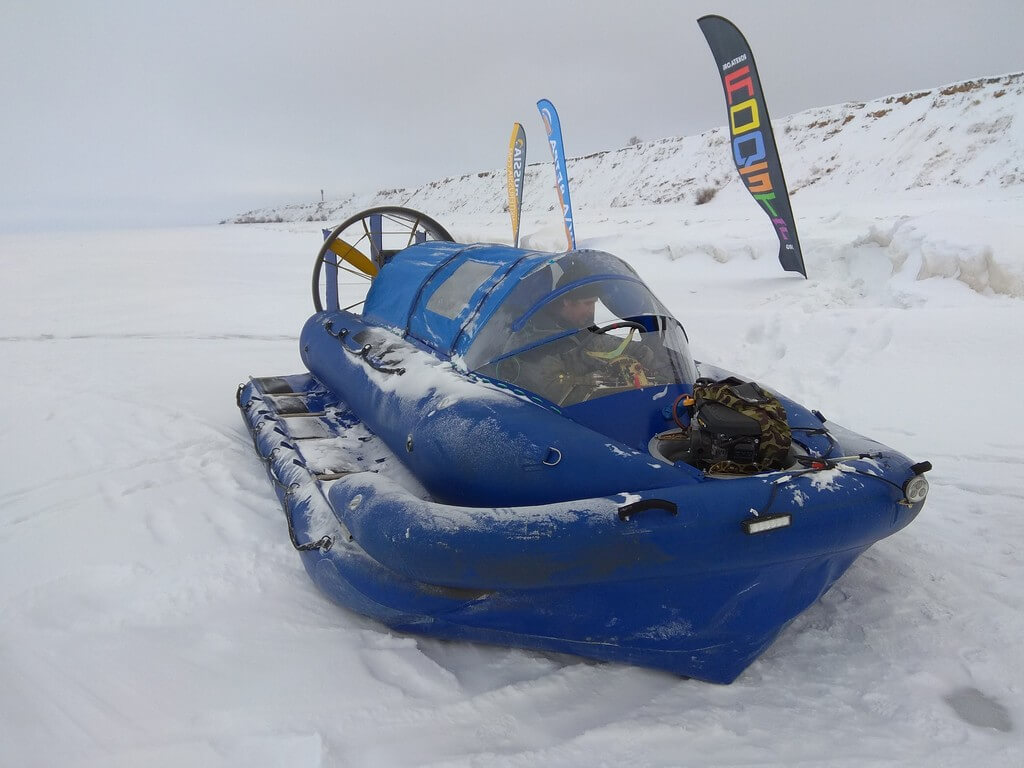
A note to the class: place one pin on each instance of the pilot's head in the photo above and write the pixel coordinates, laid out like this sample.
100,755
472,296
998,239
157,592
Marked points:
575,309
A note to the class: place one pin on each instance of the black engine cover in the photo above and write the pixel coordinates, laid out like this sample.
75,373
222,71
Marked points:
719,433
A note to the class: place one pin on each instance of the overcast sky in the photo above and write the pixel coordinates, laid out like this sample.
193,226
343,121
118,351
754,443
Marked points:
141,113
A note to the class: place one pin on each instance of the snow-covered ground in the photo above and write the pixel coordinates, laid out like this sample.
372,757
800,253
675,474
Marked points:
153,611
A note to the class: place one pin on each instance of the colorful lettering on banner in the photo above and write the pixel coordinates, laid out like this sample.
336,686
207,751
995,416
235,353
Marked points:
748,149
757,177
748,144
753,120
753,143
766,201
734,81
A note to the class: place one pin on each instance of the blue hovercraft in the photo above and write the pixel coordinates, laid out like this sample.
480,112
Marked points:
504,447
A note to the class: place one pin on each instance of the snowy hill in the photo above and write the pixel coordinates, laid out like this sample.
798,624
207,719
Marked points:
969,134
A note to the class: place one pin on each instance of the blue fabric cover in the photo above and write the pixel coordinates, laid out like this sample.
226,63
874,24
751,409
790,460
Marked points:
400,294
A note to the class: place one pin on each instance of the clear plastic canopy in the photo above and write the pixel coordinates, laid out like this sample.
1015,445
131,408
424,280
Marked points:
579,327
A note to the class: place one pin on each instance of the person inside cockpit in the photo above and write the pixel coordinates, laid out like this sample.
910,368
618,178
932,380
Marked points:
585,355
581,327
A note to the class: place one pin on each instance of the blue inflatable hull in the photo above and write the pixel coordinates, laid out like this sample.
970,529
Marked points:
504,521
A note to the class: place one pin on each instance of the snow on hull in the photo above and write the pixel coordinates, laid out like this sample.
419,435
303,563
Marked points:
673,581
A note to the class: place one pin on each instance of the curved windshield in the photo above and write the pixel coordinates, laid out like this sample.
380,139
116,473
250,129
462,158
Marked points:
580,327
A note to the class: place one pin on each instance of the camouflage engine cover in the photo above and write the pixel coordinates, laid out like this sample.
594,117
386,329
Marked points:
755,425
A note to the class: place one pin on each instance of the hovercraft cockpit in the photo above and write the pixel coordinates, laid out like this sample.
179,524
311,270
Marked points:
579,327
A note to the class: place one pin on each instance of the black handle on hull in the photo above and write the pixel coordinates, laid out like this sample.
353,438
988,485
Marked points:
643,505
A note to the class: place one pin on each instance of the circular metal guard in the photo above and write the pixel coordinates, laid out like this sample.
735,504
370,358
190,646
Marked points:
364,243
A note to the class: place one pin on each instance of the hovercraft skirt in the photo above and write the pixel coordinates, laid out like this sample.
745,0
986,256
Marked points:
690,593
